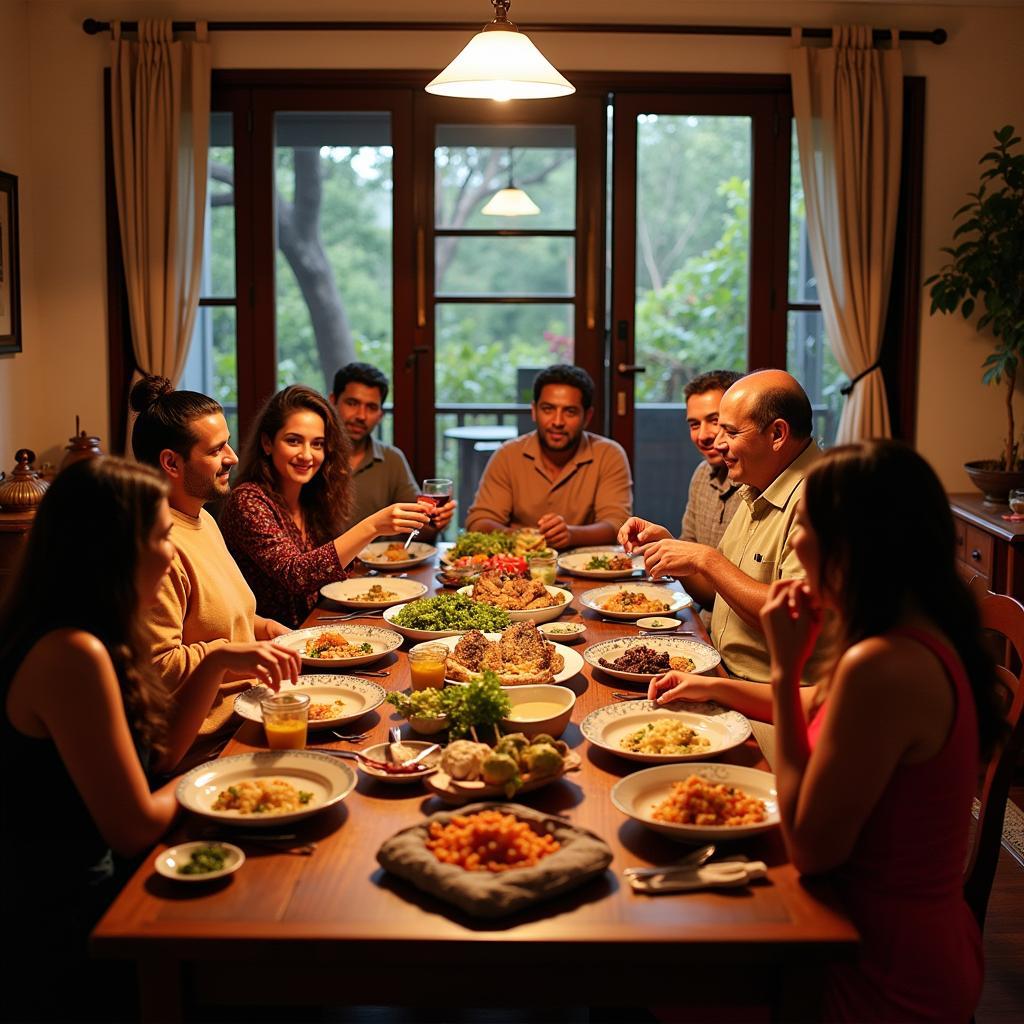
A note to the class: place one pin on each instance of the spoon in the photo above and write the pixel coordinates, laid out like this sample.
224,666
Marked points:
690,862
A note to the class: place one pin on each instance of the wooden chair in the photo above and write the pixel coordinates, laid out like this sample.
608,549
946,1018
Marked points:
1005,616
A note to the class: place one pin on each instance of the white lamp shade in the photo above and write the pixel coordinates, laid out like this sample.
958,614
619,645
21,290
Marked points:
500,65
511,202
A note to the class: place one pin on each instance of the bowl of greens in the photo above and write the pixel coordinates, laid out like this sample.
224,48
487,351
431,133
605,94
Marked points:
445,615
473,710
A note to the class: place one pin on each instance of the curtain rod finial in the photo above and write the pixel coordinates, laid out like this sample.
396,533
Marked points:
92,27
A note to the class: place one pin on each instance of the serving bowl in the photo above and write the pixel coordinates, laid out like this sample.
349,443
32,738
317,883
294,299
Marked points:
658,624
168,862
553,723
536,614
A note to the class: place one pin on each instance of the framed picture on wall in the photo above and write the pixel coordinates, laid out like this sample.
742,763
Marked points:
10,294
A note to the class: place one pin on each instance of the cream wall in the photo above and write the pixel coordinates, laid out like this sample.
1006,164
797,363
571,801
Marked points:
51,131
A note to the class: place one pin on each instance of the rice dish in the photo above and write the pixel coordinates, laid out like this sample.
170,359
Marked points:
665,736
262,796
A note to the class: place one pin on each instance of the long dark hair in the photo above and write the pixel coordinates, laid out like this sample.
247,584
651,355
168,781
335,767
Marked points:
326,500
886,541
78,571
165,418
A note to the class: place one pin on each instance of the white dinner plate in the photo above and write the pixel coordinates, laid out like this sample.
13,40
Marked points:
573,661
168,862
548,614
676,600
575,562
636,796
380,641
416,554
608,727
704,656
419,634
360,696
327,779
355,592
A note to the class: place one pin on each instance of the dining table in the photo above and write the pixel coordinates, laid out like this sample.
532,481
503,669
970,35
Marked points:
331,927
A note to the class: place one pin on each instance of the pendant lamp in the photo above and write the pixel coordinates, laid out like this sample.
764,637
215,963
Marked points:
500,63
510,201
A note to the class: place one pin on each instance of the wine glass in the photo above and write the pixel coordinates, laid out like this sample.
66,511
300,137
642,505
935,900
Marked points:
435,491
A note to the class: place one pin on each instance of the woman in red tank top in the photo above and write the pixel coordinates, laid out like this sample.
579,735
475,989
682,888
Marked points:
876,765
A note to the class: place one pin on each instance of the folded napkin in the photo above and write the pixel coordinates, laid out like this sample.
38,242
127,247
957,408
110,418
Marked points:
483,894
725,874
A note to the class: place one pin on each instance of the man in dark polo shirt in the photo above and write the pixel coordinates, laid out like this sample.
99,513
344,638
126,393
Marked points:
380,472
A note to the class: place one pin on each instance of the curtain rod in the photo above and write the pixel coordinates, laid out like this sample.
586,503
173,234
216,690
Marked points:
93,27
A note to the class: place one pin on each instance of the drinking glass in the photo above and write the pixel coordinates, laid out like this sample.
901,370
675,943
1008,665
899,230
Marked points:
285,720
1017,501
427,665
434,492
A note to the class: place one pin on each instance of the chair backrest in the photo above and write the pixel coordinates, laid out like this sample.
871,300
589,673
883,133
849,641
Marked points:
1005,616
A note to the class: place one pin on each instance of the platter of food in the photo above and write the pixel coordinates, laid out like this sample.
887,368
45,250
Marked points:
520,655
431,618
637,659
264,790
333,700
634,600
521,598
476,771
393,554
517,543
699,803
360,592
200,861
652,733
340,646
600,563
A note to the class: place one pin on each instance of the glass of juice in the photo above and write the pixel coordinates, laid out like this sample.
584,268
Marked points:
426,665
543,566
285,718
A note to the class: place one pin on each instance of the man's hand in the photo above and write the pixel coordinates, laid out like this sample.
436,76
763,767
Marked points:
636,532
674,558
555,530
443,515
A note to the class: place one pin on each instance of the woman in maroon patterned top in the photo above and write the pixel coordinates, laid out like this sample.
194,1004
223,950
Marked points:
283,519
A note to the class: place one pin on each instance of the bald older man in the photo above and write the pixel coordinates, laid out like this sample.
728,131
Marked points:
764,439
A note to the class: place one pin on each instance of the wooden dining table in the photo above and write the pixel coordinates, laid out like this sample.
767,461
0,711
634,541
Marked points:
333,928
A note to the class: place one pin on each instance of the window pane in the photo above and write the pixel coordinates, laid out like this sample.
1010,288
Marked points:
218,279
692,273
505,266
333,177
809,358
212,367
803,287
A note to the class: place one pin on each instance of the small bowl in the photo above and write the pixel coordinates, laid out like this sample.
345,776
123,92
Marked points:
658,624
552,724
563,632
168,862
379,752
427,726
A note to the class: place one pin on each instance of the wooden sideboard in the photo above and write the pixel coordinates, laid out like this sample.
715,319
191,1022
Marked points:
988,546
14,527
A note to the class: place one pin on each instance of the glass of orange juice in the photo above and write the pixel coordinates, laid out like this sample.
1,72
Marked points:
285,717
426,664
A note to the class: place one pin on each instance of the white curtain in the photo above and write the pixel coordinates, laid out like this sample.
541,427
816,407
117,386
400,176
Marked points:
848,104
160,121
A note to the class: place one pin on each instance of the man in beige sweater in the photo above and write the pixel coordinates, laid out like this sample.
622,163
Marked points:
205,608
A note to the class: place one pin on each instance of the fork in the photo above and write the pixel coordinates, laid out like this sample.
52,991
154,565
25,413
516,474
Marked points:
370,675
350,739
349,615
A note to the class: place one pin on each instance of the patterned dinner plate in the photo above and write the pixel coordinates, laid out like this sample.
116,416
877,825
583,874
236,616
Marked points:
357,697
368,644
704,656
650,598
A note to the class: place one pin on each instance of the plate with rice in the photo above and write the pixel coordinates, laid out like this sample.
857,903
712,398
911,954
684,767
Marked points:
631,601
641,730
333,700
700,803
340,646
363,592
388,555
265,790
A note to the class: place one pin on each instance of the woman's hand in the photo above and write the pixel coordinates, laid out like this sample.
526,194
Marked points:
678,686
264,660
791,620
636,532
267,629
402,517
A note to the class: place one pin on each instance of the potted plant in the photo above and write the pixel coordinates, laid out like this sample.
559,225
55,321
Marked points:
986,272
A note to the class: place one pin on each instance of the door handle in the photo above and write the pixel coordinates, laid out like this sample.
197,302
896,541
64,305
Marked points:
631,368
417,351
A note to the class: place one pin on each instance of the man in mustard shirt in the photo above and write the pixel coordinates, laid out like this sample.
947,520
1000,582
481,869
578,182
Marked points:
764,438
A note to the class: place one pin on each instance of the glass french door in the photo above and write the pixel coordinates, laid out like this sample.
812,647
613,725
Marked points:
697,183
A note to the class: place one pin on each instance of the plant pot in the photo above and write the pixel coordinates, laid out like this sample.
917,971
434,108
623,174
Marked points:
993,482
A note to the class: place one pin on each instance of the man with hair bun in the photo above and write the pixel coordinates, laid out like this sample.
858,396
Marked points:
204,602
764,440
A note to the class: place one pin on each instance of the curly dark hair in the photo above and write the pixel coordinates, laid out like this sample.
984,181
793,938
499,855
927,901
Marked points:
882,558
165,418
572,376
327,499
85,544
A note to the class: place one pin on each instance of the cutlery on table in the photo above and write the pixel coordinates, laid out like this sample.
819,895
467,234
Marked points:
283,842
370,675
690,862
350,739
629,696
390,575
349,615
408,767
